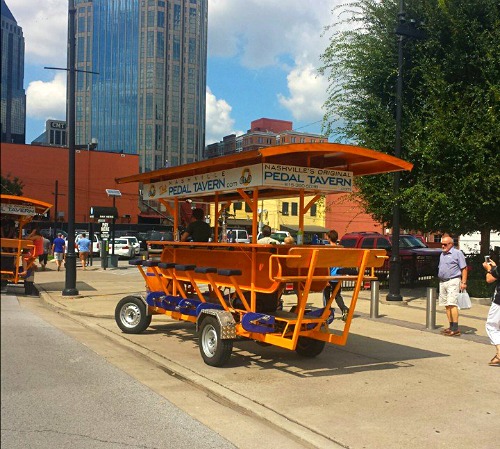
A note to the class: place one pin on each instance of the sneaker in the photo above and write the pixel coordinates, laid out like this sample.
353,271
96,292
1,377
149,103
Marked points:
453,334
345,312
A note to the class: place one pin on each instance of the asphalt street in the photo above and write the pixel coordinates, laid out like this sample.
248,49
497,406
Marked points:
57,393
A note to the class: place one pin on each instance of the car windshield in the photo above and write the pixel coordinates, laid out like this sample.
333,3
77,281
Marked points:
408,241
278,236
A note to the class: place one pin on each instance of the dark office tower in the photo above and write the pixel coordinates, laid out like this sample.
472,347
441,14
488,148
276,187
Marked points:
13,106
148,96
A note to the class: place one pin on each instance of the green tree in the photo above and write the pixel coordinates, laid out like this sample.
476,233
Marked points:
11,186
451,105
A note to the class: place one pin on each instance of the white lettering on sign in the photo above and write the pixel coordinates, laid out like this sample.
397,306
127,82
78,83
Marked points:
322,180
58,125
17,209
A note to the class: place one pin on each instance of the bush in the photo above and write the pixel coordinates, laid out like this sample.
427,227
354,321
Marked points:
477,286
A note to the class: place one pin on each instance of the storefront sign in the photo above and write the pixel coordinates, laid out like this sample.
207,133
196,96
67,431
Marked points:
17,209
323,180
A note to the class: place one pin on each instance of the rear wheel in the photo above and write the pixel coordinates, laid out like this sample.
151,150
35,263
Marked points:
213,349
308,347
131,316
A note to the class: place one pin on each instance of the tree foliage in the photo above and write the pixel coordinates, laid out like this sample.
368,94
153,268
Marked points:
11,186
451,105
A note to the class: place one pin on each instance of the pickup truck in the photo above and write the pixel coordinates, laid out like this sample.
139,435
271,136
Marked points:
417,259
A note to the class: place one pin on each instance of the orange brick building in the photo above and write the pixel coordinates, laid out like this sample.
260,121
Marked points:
346,214
39,167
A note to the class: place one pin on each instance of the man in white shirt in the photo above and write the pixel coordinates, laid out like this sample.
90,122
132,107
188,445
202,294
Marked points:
266,238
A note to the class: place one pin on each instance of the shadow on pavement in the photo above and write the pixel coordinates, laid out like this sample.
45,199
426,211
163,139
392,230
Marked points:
59,286
334,360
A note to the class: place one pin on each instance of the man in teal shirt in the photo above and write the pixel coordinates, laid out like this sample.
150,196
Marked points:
84,248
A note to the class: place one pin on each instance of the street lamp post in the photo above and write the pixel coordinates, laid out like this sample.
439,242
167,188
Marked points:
70,280
403,30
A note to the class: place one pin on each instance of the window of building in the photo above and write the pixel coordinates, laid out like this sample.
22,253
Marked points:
295,209
161,19
151,44
160,44
284,208
313,210
247,208
293,139
151,18
177,17
237,205
177,48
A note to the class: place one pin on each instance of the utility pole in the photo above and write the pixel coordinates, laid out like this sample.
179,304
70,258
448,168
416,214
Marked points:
403,30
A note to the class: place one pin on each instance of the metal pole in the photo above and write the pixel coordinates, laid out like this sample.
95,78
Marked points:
70,284
56,194
395,261
430,315
374,298
113,227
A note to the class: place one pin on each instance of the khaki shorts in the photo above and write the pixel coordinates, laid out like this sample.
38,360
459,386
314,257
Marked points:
448,292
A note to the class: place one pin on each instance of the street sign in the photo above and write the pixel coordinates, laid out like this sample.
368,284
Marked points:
103,212
105,230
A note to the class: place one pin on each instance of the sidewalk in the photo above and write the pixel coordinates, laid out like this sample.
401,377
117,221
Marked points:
100,290
395,384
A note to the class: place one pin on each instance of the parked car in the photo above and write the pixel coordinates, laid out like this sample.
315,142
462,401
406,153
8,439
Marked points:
154,249
140,236
237,236
122,248
133,242
276,235
49,233
417,260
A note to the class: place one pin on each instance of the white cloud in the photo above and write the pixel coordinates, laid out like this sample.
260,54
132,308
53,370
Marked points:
219,122
261,32
46,100
285,34
45,27
307,93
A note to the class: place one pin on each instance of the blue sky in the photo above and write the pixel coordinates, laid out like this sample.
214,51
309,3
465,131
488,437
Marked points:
262,61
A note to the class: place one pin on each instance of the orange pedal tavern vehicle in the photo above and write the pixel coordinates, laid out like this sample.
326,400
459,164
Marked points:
233,290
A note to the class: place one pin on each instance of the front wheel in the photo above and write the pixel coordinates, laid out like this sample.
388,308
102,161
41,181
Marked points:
308,347
131,316
213,349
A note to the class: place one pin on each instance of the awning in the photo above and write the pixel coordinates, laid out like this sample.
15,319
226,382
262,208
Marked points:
238,222
307,228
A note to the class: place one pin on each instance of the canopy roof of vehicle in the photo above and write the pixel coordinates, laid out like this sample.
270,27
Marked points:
319,157
22,206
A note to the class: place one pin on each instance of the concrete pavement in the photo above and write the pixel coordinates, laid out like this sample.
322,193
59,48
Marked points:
395,383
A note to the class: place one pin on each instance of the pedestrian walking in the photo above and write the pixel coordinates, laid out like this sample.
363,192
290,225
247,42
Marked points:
84,248
452,274
58,250
333,237
493,319
44,257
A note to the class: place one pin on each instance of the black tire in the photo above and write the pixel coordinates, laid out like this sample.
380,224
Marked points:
131,316
308,347
213,349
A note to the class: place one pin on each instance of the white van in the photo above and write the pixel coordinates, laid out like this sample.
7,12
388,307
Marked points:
237,236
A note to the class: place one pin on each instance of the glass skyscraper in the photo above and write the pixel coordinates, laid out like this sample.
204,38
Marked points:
148,95
13,96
